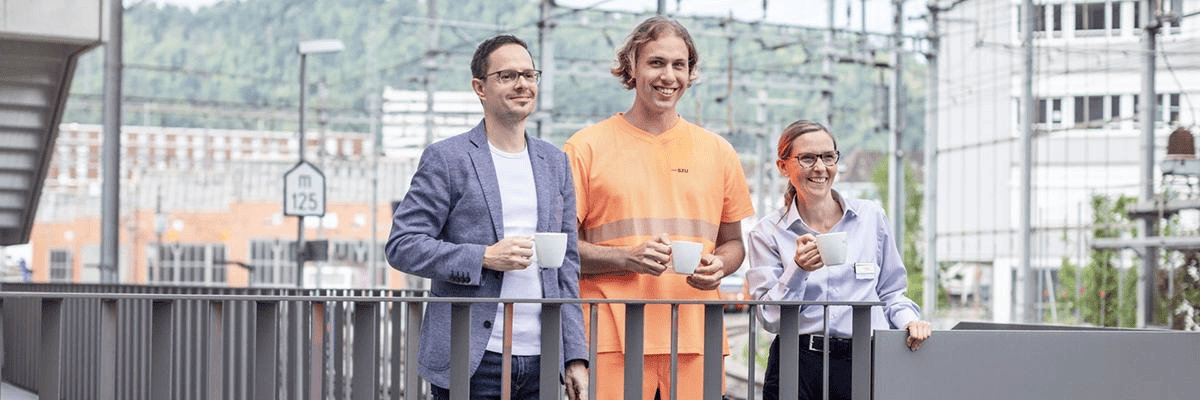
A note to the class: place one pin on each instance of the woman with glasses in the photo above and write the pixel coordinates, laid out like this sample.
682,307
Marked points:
785,264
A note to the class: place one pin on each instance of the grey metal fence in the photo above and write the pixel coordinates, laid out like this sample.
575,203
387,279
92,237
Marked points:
160,342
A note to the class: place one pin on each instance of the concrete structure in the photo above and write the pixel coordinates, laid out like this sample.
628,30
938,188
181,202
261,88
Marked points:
1086,85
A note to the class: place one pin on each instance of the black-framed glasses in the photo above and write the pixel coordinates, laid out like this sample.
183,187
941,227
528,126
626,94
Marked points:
809,160
508,76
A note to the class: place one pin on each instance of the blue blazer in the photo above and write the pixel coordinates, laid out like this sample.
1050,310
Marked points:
450,214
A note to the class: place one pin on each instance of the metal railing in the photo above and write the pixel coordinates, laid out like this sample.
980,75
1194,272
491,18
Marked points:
158,342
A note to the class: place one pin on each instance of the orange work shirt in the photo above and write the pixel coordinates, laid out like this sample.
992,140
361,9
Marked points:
632,186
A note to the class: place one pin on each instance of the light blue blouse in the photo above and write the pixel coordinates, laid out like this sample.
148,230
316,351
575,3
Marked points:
873,270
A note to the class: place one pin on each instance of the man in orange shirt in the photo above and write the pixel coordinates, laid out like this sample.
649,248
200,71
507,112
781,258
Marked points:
644,178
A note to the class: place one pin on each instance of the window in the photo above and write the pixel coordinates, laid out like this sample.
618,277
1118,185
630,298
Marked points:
1173,109
1137,16
60,266
1057,17
1040,112
1089,16
1039,18
1089,109
1115,102
1095,108
1116,16
1056,111
188,263
273,262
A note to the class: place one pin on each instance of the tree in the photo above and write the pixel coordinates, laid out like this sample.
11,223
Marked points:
1099,299
914,261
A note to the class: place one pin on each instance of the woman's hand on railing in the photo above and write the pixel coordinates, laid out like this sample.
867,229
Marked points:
918,332
576,380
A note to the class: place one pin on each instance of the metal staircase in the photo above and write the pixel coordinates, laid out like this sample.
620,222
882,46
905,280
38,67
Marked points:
40,42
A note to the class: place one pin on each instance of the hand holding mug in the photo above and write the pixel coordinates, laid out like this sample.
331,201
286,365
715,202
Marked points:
509,254
807,257
708,275
650,257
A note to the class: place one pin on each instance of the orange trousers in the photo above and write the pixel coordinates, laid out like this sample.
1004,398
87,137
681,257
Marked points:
610,376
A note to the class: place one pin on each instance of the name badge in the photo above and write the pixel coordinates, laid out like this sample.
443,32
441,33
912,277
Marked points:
865,270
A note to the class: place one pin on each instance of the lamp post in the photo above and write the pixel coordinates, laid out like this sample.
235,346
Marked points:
304,49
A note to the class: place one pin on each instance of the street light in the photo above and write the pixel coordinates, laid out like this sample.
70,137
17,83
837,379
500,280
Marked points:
304,49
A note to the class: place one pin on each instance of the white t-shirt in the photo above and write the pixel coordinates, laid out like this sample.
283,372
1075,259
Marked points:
518,200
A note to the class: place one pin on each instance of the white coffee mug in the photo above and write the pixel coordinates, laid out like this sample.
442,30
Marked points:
832,247
550,247
685,256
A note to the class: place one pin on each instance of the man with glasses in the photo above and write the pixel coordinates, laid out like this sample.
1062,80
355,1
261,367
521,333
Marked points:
467,223
645,178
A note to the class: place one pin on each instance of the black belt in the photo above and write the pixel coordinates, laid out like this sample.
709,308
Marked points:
816,343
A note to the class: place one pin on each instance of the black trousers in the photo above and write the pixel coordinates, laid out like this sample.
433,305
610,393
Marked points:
810,372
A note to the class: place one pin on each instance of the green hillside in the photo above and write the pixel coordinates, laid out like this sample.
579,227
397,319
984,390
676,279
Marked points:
234,65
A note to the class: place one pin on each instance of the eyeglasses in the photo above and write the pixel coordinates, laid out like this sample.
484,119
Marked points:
509,76
809,160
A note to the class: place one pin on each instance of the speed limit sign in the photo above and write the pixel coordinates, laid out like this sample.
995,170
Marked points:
304,191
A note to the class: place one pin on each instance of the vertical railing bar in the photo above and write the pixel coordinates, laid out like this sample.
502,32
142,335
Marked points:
304,311
396,335
674,352
752,347
506,361
107,368
186,357
714,357
860,361
551,351
366,367
316,362
635,316
266,349
337,381
292,356
460,351
825,354
83,369
789,351
216,349
162,372
412,383
593,352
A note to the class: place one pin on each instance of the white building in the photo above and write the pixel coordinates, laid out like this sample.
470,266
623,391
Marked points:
1087,80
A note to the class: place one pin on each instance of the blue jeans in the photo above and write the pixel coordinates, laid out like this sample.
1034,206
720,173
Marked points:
485,384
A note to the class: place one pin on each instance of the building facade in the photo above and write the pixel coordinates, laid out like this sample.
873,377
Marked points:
204,207
1087,81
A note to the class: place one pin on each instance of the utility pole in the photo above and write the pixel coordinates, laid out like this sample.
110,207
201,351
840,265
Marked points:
546,89
895,154
764,158
662,7
827,71
373,252
729,74
929,300
1025,276
431,51
1150,26
111,197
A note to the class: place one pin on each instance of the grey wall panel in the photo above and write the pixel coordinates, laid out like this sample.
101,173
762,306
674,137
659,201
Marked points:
1039,365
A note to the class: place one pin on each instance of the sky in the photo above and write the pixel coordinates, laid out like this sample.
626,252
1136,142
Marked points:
847,13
